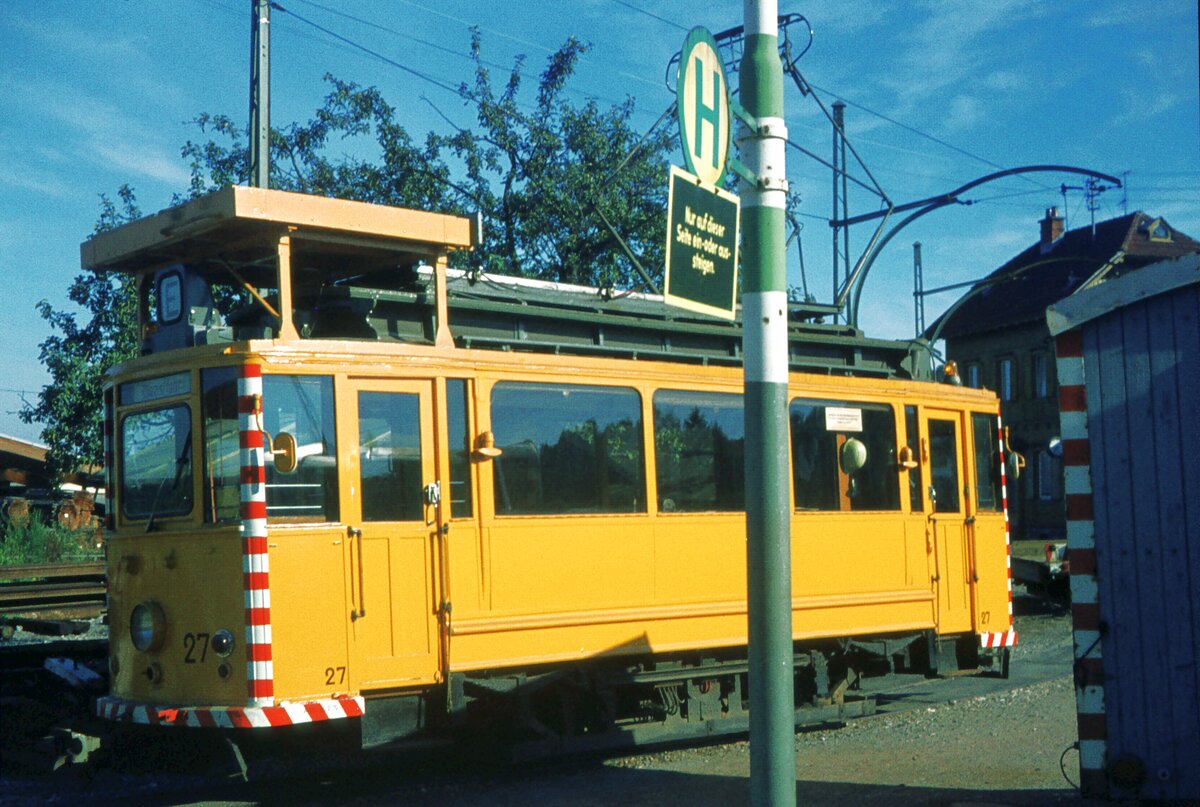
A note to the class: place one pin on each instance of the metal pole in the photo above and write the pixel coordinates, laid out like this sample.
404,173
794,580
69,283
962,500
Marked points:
839,111
260,93
918,290
839,170
764,318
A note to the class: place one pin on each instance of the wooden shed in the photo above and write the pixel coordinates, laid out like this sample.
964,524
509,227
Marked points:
1129,395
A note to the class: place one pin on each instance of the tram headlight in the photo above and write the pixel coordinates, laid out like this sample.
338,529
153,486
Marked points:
147,626
222,643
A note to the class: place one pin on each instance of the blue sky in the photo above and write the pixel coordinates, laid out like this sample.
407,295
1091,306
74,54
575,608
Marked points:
100,93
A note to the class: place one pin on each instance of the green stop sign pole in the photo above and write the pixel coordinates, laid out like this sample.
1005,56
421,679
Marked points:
764,335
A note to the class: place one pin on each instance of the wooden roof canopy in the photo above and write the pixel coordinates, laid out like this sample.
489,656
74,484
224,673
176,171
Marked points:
238,217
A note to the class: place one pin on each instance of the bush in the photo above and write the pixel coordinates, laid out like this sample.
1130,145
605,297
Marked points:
36,542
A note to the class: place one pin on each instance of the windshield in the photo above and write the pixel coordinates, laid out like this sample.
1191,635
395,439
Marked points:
301,406
156,462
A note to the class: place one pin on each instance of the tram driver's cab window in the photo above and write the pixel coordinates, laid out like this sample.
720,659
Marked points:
844,456
301,406
567,448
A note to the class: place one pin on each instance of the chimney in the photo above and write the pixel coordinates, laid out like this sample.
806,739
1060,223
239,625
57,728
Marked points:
1052,228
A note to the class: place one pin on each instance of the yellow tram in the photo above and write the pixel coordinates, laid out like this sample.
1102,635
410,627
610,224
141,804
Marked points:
378,489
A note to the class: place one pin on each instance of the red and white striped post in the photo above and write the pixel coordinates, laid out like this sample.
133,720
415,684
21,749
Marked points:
1081,549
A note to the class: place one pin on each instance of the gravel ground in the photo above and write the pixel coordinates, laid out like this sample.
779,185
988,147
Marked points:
961,740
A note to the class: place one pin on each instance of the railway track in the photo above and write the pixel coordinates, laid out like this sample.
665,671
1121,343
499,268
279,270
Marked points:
52,591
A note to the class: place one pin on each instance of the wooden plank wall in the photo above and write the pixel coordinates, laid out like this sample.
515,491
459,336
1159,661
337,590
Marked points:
1142,370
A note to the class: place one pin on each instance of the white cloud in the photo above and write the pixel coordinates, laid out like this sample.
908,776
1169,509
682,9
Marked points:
963,113
1143,103
1114,15
101,133
39,182
1005,81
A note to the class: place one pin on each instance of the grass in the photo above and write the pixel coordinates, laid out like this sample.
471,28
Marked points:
36,542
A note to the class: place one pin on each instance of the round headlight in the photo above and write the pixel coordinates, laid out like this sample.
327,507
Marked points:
147,626
222,643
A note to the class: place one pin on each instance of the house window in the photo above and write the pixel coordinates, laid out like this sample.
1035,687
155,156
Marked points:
1049,477
1041,376
1157,230
1005,380
973,379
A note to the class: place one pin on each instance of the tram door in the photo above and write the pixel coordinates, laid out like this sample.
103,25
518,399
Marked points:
949,522
392,519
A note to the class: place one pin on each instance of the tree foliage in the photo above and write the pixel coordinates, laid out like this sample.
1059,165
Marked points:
78,355
544,177
542,173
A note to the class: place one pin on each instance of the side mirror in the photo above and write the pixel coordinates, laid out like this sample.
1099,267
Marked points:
485,447
1015,463
904,459
853,455
283,452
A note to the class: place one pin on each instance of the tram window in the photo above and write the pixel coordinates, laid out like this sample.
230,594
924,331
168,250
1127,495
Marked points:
156,462
943,466
820,430
222,445
389,456
460,447
567,448
987,461
916,503
699,450
302,406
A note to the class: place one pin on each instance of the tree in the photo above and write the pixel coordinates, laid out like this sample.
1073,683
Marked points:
78,356
544,178
541,176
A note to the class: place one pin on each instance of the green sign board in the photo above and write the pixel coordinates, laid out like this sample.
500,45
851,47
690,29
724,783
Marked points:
702,246
702,106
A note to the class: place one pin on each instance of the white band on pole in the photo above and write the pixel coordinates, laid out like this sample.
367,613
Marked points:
766,161
766,361
762,17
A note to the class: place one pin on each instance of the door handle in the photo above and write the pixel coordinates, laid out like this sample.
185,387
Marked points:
356,534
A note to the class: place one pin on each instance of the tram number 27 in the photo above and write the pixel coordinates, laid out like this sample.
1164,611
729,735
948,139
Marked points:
196,648
335,675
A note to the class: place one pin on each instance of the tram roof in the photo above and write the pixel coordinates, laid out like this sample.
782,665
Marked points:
240,215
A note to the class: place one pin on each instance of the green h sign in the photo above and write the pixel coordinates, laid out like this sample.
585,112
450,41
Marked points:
702,104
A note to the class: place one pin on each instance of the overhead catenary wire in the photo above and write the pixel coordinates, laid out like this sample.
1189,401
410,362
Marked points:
346,40
916,131
401,34
503,35
436,81
651,15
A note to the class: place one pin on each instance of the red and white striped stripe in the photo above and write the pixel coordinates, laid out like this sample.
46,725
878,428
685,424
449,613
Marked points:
1007,530
260,674
1006,638
1081,553
232,717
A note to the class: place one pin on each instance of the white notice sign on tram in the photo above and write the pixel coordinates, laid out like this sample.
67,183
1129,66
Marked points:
842,419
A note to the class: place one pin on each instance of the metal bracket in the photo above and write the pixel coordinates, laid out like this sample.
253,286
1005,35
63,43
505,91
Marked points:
742,115
738,167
